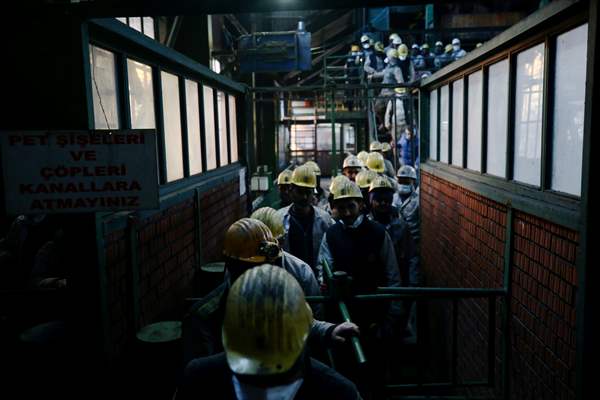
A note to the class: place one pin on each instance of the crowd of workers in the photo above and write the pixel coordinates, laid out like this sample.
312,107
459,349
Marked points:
390,110
255,335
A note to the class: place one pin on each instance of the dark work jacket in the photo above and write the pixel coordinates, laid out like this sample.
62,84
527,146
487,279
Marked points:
211,378
357,251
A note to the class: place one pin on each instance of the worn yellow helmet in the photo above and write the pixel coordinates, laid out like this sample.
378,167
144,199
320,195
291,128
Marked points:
385,146
400,90
354,47
272,219
314,166
304,176
336,183
375,146
379,46
352,162
250,240
347,190
402,50
267,321
448,48
391,53
284,177
375,162
381,183
362,156
364,178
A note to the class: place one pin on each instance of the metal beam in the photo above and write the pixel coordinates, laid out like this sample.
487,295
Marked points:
238,25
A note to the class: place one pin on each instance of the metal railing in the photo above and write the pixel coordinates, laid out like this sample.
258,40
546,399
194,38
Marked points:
339,292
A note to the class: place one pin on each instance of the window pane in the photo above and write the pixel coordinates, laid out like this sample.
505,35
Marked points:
135,23
222,112
148,26
444,123
474,120
141,97
122,19
233,129
497,123
569,96
209,128
104,88
172,120
433,115
193,127
457,123
528,115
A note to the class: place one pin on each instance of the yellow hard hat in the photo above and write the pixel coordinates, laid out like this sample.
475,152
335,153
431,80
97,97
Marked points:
362,156
272,219
352,162
347,190
267,321
375,162
400,90
402,50
285,177
379,46
336,182
448,48
385,146
381,182
250,240
375,146
391,53
364,178
304,176
314,166
354,47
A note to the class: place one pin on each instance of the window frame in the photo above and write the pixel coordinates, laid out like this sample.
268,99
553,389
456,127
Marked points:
114,36
556,206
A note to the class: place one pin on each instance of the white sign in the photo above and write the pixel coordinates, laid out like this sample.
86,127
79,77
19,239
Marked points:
79,171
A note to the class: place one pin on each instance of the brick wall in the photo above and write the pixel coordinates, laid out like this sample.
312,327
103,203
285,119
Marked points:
167,251
463,246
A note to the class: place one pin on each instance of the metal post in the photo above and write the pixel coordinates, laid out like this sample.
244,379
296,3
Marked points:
333,144
506,313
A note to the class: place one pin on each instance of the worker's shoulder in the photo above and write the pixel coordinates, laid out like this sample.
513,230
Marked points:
323,215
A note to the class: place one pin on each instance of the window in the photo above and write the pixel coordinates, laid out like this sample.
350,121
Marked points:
497,114
148,25
569,98
193,127
444,123
135,23
222,113
209,128
104,88
433,116
474,121
529,92
141,97
172,126
233,129
457,122
140,24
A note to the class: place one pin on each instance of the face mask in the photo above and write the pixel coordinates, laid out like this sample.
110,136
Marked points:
404,189
456,47
402,58
366,46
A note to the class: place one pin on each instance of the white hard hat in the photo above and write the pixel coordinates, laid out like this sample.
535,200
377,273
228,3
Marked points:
438,43
364,39
414,46
455,41
397,40
394,36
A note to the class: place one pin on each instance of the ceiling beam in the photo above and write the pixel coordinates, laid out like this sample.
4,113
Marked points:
127,8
